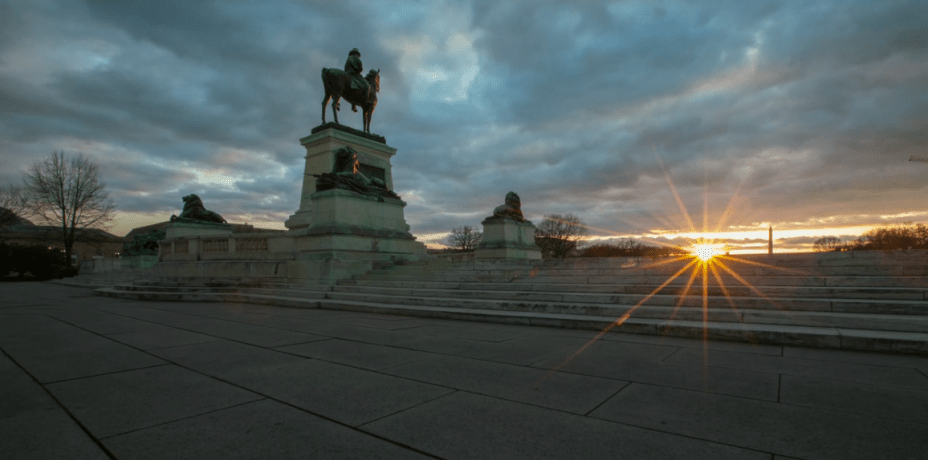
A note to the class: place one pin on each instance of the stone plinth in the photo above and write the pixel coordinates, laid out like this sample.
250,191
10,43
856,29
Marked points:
505,238
188,229
348,222
373,154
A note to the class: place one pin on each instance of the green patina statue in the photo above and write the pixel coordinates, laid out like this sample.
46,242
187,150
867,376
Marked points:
511,210
145,244
346,176
350,85
194,211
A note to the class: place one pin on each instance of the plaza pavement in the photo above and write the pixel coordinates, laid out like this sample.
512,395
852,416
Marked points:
87,377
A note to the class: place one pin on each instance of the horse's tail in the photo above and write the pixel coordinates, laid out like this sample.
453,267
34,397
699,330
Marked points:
326,80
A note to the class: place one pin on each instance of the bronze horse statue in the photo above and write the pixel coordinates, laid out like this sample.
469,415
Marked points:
337,85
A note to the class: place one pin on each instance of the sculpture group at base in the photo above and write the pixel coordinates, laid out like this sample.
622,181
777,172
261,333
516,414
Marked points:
194,211
346,175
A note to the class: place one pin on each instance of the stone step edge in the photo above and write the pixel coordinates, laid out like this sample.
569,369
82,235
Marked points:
129,287
752,297
416,292
207,296
894,302
833,282
809,336
260,299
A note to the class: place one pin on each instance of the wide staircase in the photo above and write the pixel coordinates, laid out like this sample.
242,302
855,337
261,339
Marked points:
858,301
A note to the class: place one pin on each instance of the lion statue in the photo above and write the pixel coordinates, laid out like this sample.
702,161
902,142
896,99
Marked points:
195,211
512,209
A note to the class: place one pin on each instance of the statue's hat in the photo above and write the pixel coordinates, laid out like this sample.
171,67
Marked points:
355,51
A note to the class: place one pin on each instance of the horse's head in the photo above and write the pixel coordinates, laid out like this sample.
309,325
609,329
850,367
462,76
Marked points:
373,77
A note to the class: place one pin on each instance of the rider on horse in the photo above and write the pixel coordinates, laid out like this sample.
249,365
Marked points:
354,68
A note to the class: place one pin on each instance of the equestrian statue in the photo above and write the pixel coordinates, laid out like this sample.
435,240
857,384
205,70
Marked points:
348,84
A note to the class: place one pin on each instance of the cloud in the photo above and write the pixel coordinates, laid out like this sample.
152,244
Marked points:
777,113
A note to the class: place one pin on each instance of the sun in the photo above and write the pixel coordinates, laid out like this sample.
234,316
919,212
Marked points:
706,251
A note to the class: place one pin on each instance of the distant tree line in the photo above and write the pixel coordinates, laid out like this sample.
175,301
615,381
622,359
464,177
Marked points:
631,248
887,238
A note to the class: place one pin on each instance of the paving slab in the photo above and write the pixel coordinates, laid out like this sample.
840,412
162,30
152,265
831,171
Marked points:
776,428
485,333
851,372
48,434
357,354
103,323
28,414
737,347
861,357
557,390
648,363
51,350
468,426
217,358
126,401
418,387
521,351
265,429
162,337
345,394
232,330
877,400
349,395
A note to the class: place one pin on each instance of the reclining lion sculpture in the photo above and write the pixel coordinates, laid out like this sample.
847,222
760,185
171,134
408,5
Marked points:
194,211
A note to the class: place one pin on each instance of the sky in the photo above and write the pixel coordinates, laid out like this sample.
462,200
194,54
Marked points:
662,121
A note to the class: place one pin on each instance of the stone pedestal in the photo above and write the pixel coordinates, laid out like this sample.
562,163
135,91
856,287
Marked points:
188,229
373,154
505,238
352,226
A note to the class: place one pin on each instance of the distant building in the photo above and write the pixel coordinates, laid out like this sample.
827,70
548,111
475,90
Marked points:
91,243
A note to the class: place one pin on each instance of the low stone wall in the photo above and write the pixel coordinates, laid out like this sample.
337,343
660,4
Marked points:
129,262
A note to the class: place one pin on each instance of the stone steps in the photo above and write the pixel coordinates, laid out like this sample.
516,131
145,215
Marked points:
809,336
850,310
804,299
769,280
866,292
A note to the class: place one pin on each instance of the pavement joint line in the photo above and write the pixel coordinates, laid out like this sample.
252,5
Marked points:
920,371
67,411
671,354
779,386
403,364
453,391
683,435
185,344
275,347
105,373
604,401
188,417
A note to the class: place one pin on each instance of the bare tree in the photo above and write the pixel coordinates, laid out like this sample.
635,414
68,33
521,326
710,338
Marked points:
68,192
13,205
827,243
558,235
464,238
